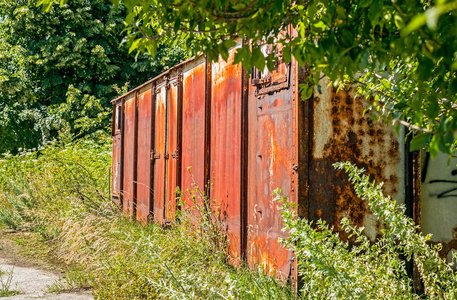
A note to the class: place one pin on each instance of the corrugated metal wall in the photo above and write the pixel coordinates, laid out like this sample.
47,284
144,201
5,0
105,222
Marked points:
249,136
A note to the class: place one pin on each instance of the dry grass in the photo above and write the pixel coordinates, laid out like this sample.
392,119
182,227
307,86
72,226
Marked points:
62,196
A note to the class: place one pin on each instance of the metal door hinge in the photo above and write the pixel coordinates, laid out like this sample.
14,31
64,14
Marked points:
166,156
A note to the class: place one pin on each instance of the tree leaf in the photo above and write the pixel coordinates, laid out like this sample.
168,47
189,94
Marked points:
420,141
417,22
134,45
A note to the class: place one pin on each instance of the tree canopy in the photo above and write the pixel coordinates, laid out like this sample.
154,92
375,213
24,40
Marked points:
60,68
402,55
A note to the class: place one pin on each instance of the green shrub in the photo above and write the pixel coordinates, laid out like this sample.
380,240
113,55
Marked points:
333,269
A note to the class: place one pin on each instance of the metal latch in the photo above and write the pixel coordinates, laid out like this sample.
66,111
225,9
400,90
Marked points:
175,154
166,156
154,155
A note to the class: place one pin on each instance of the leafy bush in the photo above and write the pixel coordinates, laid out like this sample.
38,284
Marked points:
334,269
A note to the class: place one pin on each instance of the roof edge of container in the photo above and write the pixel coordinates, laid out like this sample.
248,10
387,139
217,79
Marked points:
193,58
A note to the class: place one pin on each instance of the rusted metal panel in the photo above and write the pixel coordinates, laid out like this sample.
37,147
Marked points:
225,145
145,146
439,201
117,149
342,132
193,129
129,154
159,151
272,158
172,152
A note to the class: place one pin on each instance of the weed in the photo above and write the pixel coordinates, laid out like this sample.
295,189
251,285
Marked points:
5,284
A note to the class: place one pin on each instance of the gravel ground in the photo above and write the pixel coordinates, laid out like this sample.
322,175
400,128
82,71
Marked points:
31,277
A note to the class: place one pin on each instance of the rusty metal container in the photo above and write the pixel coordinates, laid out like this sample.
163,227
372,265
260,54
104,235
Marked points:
248,136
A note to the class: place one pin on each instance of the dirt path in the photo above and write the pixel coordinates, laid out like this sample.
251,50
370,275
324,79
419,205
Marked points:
32,269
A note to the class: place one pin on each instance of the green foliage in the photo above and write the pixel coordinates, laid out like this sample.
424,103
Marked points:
60,192
58,68
401,54
334,269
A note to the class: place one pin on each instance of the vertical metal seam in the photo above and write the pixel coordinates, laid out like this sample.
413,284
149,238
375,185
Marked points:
417,174
179,132
409,188
207,158
165,173
409,183
113,121
310,121
135,156
244,163
121,167
152,149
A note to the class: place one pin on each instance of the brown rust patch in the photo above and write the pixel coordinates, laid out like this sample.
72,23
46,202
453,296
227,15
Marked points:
367,144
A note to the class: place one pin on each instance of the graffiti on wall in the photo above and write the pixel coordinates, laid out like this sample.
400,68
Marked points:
439,201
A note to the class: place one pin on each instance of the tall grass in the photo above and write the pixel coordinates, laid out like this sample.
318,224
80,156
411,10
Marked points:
61,193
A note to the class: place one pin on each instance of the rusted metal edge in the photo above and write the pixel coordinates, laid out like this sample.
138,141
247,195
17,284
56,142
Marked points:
277,87
297,131
305,134
305,144
207,156
175,67
165,171
152,161
179,132
244,163
121,166
113,117
416,208
135,155
409,187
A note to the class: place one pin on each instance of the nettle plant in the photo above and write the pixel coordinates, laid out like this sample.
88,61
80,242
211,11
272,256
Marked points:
331,268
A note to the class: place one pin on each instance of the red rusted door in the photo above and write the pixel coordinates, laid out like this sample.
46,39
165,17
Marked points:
129,154
159,151
271,165
171,149
145,145
193,134
166,151
226,146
